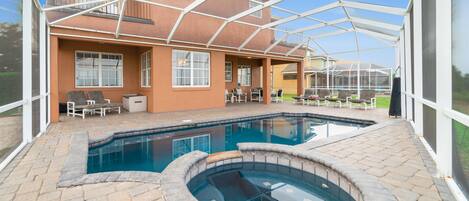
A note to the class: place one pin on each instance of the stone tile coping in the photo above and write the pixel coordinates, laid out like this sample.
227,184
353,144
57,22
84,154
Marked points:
323,142
110,136
179,172
74,172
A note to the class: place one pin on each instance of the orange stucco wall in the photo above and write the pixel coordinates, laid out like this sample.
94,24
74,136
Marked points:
162,96
256,65
66,68
168,98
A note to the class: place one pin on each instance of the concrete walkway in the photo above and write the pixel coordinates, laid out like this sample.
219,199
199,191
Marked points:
391,153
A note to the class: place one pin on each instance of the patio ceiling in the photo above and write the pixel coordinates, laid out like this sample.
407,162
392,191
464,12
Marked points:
300,27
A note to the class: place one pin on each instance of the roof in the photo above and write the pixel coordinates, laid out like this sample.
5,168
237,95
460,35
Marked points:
345,17
340,65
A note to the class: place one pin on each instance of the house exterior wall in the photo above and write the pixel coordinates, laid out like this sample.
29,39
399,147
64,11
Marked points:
256,66
66,68
167,98
194,28
290,86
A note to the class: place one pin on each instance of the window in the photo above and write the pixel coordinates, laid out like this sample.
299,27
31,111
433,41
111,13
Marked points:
191,69
11,56
145,69
93,69
228,71
257,14
185,145
289,76
460,59
244,75
461,156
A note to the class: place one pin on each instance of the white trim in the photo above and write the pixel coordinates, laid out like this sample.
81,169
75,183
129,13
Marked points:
143,82
260,53
454,188
186,10
408,65
444,86
192,69
231,71
12,155
72,5
100,85
374,7
10,106
121,15
257,4
244,66
83,12
378,24
239,16
27,70
417,14
42,70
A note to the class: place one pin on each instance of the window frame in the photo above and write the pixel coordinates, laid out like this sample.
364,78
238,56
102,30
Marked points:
243,66
252,4
191,69
100,78
231,71
173,141
146,68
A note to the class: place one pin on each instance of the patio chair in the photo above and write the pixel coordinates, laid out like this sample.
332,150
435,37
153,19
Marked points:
97,98
78,105
277,96
229,97
367,99
309,93
240,96
343,97
256,94
322,96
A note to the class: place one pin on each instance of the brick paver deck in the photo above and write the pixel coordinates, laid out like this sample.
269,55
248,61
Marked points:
391,154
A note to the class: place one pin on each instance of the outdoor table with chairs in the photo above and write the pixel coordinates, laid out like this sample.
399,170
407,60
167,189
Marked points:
81,104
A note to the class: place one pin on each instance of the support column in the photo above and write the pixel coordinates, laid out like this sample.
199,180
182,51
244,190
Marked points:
54,79
300,76
266,79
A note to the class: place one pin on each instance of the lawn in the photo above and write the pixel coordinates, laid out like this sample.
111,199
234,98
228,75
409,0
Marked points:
381,101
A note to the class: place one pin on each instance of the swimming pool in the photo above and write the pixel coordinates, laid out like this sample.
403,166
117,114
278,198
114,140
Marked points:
154,151
263,181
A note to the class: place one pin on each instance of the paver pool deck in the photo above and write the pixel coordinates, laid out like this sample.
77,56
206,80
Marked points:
392,153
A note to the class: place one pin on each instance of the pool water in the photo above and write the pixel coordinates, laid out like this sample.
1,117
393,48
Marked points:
261,181
153,152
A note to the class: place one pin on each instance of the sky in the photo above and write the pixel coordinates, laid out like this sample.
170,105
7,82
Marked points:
344,42
339,43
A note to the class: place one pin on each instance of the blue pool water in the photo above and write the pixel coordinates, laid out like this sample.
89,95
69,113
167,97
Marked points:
261,181
153,152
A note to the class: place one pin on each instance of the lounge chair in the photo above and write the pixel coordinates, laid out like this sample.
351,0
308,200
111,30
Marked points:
256,94
78,105
322,96
309,93
240,95
97,98
367,99
277,96
343,97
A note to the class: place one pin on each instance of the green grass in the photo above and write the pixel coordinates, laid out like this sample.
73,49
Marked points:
381,101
